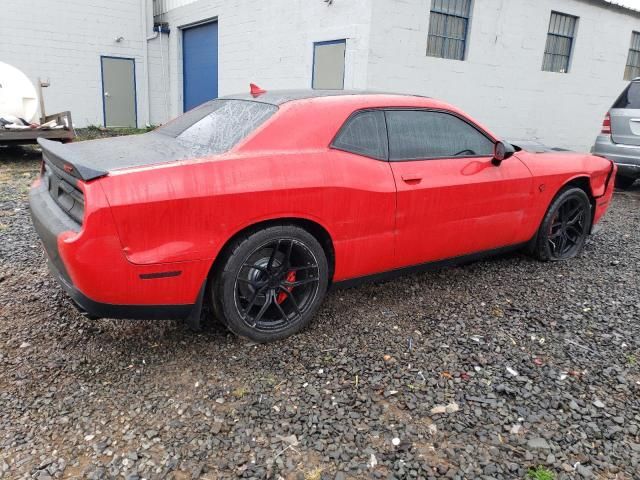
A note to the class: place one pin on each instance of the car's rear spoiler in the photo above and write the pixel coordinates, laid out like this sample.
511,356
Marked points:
67,160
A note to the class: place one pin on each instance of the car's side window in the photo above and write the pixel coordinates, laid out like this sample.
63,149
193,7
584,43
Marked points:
364,133
424,134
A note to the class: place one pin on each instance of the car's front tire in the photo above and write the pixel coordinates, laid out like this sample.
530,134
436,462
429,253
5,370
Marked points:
565,226
271,283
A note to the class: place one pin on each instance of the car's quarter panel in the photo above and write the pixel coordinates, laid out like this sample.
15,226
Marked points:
459,206
90,258
188,212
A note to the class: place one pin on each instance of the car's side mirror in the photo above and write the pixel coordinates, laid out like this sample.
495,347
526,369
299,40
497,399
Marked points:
502,151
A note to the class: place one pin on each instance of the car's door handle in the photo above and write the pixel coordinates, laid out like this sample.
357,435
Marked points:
635,119
411,177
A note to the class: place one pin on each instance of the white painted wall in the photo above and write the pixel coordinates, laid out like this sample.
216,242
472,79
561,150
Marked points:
501,83
63,41
270,43
159,86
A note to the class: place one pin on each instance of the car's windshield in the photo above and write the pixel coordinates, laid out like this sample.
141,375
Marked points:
218,125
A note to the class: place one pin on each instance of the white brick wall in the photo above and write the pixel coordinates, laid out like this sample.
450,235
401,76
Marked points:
270,43
63,41
501,82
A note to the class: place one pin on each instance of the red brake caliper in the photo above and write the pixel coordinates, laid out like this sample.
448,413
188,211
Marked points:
291,277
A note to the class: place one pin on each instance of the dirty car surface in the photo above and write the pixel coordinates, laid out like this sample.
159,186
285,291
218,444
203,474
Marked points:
257,203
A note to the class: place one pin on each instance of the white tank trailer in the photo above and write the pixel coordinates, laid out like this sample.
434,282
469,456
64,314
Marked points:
18,96
19,103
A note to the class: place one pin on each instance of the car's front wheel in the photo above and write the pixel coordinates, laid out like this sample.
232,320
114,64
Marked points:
271,284
565,226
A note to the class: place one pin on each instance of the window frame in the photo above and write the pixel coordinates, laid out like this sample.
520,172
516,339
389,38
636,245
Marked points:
384,110
635,41
446,112
572,41
446,39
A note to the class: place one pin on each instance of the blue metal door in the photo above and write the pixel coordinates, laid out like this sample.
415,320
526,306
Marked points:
199,64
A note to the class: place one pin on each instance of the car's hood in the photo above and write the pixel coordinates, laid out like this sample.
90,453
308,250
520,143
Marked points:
535,147
96,158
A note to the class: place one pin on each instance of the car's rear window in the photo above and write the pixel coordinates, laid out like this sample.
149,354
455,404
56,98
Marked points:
630,97
218,125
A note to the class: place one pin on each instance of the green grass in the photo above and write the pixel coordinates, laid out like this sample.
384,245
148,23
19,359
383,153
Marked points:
240,392
94,131
315,474
540,473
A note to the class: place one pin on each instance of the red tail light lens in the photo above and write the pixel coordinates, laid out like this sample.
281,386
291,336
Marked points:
606,124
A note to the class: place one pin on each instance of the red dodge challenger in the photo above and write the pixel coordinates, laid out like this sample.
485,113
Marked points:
257,203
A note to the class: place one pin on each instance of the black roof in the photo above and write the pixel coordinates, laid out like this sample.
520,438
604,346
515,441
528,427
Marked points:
278,97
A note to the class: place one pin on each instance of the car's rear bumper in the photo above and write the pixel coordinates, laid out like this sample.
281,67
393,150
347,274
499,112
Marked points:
55,228
107,310
626,157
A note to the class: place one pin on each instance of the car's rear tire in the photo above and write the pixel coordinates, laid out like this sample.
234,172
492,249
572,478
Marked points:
624,182
565,226
271,283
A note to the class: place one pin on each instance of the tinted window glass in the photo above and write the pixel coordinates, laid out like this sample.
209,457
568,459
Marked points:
218,125
415,134
365,134
630,98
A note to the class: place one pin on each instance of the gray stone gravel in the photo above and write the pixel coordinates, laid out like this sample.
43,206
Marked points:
482,371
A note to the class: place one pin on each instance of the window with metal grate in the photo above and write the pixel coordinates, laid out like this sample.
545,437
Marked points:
448,26
632,70
557,52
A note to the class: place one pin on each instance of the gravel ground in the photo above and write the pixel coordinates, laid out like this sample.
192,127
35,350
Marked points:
482,371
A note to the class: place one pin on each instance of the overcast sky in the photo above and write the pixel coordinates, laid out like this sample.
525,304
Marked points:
629,3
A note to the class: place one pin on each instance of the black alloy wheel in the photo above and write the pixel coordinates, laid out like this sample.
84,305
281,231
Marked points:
276,284
565,226
272,283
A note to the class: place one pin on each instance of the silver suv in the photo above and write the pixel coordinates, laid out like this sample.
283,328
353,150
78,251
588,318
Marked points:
619,139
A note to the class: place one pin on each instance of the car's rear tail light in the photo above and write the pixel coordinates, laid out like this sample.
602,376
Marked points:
606,124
